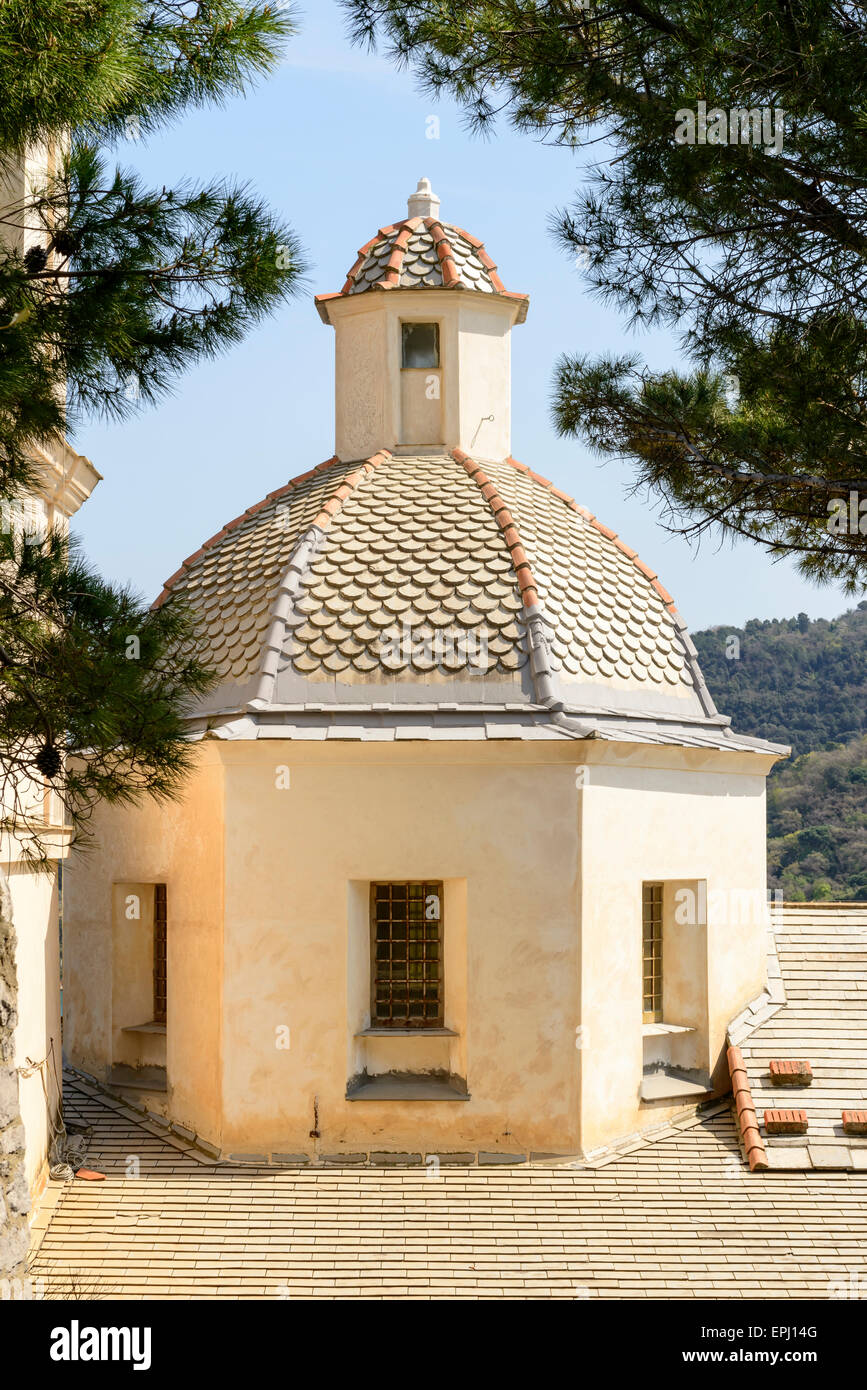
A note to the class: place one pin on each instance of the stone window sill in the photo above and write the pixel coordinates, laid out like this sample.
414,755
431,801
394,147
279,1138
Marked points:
159,1028
407,1033
662,1030
670,1084
405,1086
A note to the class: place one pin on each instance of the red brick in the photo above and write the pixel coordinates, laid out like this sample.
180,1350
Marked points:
791,1073
785,1122
855,1121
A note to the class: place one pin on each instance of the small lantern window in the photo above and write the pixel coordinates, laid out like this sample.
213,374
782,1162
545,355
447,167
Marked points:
420,345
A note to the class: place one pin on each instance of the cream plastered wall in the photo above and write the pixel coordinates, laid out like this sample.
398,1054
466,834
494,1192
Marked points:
497,825
299,830
37,1035
642,821
475,370
180,844
485,385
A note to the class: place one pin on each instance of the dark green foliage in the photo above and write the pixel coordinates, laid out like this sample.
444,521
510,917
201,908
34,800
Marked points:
817,826
90,672
794,681
96,65
758,259
114,288
108,291
804,683
138,286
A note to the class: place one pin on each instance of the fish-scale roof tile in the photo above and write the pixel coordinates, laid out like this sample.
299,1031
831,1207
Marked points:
422,253
569,555
430,569
418,618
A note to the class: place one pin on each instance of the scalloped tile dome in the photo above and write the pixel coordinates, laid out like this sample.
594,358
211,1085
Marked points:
401,570
422,253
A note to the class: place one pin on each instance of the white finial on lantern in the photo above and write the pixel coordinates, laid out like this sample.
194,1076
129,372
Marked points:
424,202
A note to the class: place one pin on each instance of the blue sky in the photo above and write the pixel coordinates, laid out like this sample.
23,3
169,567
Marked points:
335,141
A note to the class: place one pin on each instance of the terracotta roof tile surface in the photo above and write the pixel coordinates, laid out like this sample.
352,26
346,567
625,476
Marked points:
605,621
417,576
422,253
820,1015
413,577
233,580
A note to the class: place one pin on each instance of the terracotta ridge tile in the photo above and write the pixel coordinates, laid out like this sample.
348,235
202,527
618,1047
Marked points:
398,252
509,531
748,1121
606,531
350,276
451,278
476,242
444,253
236,521
346,487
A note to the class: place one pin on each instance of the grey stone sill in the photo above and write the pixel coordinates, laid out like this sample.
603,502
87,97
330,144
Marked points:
150,1078
407,1033
406,1088
663,1085
158,1028
660,1030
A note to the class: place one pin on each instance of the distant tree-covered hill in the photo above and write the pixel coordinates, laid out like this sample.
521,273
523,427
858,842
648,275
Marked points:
803,683
791,680
817,825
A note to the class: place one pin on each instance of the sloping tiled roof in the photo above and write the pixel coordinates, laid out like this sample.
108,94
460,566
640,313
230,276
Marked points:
233,578
423,253
405,582
417,549
605,616
815,1010
665,1219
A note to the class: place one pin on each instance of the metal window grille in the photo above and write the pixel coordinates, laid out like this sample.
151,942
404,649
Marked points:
651,918
160,924
406,955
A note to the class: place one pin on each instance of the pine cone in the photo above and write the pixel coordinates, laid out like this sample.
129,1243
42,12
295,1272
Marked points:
48,761
36,259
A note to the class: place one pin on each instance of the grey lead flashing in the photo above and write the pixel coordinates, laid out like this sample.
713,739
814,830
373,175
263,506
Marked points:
689,647
544,685
290,591
367,722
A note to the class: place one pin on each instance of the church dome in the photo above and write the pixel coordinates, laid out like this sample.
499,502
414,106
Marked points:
421,252
434,590
440,581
